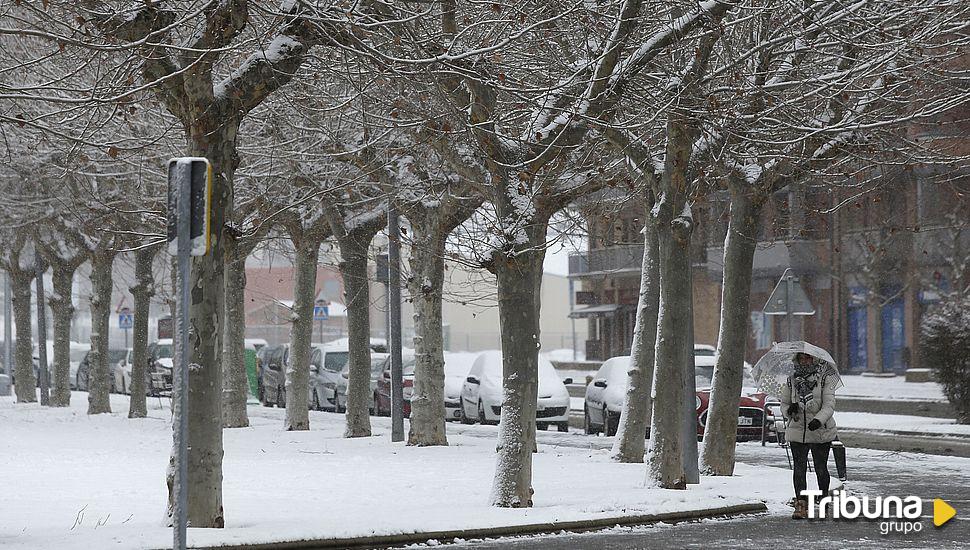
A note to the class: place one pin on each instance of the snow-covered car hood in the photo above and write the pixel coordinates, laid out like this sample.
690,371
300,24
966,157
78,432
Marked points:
164,362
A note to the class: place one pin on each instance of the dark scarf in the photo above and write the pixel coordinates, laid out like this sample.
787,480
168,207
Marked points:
804,381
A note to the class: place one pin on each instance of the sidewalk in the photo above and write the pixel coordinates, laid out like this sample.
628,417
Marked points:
72,482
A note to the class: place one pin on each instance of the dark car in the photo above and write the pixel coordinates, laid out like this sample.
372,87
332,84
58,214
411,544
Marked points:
382,395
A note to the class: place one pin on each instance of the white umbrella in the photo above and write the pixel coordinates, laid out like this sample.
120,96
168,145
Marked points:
773,369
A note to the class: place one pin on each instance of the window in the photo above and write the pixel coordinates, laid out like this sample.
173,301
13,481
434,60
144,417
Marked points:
334,361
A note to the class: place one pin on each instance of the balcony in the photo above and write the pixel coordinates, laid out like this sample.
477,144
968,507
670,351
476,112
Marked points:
614,260
771,258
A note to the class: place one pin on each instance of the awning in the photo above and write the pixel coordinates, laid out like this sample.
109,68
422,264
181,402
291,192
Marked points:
605,310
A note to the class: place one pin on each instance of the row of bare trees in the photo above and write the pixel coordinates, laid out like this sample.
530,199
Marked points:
315,115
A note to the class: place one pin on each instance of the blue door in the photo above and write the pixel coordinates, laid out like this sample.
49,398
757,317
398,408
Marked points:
858,354
893,336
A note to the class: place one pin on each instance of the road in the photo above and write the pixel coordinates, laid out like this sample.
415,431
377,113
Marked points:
872,472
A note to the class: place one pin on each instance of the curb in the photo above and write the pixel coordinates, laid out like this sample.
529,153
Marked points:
578,526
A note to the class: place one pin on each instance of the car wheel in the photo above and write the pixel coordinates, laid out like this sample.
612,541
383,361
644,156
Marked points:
462,417
281,397
481,414
315,405
609,426
542,426
587,423
562,426
377,405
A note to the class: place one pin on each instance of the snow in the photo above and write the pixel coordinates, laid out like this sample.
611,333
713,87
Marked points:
890,388
104,487
564,355
901,423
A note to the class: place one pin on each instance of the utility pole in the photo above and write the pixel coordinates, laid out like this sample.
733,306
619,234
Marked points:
394,311
42,372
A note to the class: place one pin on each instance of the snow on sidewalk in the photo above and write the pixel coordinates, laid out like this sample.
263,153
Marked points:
73,481
943,427
895,387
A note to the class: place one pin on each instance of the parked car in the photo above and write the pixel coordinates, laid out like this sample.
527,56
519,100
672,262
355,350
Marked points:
604,400
457,366
377,360
481,393
272,380
382,395
78,351
328,389
114,359
160,358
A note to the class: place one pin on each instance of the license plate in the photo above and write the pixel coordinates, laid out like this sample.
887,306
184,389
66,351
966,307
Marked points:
745,421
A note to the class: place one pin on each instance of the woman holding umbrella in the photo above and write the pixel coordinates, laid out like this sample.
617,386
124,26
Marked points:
808,402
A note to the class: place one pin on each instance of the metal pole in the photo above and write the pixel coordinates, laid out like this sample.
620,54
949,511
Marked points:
7,327
181,373
790,281
689,410
42,372
126,338
394,311
572,321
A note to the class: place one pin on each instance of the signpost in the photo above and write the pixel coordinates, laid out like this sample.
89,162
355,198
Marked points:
126,320
321,312
42,365
394,311
189,218
789,299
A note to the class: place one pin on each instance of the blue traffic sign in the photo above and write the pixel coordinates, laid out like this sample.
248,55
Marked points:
321,313
126,319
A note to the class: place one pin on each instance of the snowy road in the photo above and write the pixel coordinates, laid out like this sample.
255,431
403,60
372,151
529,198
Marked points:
871,472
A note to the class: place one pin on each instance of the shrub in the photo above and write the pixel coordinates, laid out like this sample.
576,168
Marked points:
946,348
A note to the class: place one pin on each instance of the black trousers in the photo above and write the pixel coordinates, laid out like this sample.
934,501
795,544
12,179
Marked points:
820,458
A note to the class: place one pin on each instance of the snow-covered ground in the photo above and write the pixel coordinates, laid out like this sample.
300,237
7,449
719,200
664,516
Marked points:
895,387
73,481
901,423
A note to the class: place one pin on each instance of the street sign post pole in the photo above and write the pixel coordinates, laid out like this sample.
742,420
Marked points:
42,372
190,186
394,297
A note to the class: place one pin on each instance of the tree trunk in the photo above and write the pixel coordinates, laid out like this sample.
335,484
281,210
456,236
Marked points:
673,236
213,136
720,432
425,287
26,384
235,391
353,269
519,293
99,373
635,418
142,293
301,333
62,311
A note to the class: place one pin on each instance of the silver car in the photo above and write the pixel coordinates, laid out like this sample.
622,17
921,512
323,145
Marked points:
327,388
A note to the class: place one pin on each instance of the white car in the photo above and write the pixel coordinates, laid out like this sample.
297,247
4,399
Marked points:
457,366
481,393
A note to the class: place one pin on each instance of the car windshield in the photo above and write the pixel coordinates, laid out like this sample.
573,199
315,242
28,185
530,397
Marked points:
163,351
335,361
115,355
703,377
77,355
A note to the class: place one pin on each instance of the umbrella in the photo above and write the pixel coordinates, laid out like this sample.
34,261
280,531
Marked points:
773,369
